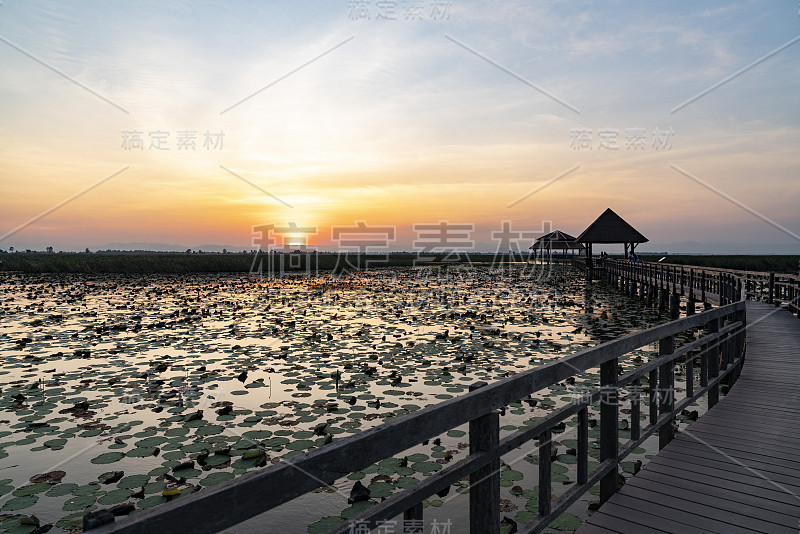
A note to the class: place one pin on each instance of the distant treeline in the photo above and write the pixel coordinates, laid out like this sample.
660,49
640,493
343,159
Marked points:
143,263
161,262
779,264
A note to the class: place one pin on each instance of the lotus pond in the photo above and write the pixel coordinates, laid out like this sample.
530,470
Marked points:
126,392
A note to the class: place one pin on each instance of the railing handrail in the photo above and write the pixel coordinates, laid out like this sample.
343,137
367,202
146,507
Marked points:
738,272
257,492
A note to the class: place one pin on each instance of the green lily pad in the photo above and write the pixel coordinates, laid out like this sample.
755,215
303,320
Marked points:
380,489
142,452
210,430
31,489
426,467
71,523
300,445
153,500
215,478
152,441
133,481
115,496
20,503
406,482
80,502
217,459
108,458
187,473
60,490
524,516
566,522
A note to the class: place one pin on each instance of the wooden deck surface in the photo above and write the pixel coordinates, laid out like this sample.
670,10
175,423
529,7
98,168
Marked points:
736,469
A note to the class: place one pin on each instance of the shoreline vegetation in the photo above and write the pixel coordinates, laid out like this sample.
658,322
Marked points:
311,263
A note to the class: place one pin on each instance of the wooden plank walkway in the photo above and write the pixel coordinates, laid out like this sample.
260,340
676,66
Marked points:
737,468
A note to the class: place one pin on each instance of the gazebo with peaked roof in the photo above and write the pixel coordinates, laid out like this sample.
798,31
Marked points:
610,228
556,240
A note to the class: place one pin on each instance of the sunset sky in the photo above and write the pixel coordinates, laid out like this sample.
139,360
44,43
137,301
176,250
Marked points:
397,113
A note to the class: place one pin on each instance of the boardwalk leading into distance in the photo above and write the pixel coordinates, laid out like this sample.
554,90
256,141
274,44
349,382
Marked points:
736,469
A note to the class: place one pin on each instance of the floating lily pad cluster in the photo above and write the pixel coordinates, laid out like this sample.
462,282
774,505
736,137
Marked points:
162,386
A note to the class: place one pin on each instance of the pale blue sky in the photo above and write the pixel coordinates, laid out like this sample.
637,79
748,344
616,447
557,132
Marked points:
400,122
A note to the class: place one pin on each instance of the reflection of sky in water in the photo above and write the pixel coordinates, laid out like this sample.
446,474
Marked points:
424,340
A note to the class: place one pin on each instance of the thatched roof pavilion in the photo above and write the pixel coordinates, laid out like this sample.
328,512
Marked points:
610,228
556,241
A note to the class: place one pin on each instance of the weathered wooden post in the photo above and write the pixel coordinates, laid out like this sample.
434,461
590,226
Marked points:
771,298
666,388
741,340
674,305
484,484
636,409
690,374
413,514
583,446
703,286
713,363
609,426
545,474
690,302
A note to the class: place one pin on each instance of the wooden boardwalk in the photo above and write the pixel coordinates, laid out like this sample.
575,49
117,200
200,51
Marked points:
736,469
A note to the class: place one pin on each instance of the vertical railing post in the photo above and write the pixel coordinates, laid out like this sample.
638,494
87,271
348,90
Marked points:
690,374
771,297
666,388
713,363
636,409
413,515
609,426
484,484
742,337
583,445
545,474
703,286
652,382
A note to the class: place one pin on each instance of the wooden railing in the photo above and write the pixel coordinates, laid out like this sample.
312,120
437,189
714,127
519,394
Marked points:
718,340
707,283
692,282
